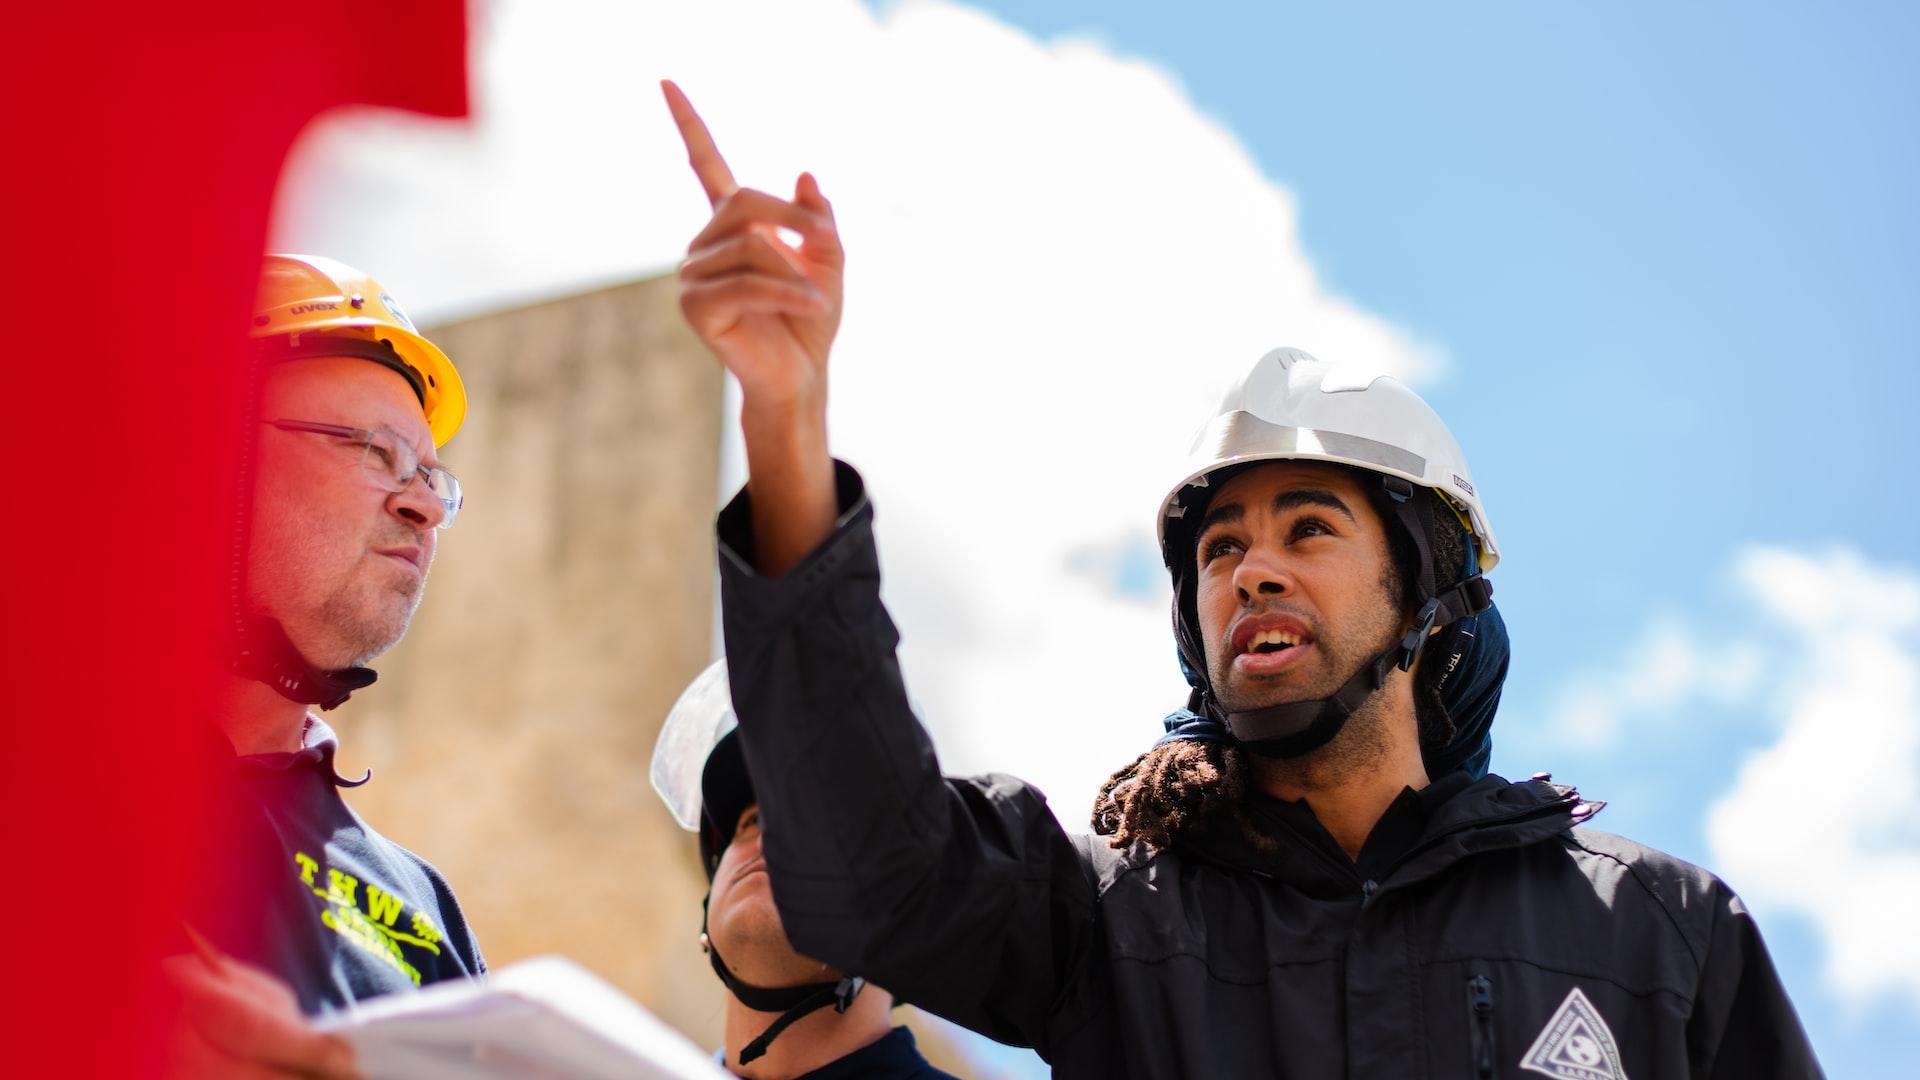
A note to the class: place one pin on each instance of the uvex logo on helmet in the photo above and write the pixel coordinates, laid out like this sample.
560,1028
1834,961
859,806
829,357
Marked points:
312,306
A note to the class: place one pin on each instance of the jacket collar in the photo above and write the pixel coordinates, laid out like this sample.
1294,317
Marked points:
1489,814
318,744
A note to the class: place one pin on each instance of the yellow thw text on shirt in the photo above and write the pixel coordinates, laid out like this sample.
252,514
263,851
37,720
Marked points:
368,916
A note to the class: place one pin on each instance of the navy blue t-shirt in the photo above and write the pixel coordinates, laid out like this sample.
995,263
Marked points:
313,894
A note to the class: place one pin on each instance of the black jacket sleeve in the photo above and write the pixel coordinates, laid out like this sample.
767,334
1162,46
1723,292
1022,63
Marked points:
1743,1025
964,897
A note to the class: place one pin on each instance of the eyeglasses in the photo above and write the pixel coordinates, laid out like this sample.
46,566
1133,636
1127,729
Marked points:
389,460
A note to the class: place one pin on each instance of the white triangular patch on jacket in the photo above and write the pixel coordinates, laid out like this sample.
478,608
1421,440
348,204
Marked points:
1576,1044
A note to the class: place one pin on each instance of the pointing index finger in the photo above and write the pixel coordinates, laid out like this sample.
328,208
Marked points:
702,154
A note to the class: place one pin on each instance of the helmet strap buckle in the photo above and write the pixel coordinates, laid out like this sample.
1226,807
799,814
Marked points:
1417,637
844,993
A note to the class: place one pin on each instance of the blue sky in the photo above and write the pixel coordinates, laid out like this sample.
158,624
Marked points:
1655,264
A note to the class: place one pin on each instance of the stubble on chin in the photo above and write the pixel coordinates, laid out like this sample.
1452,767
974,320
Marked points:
1358,750
369,619
1363,741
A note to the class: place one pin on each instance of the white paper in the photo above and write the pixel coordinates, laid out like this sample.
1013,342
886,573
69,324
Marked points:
546,1018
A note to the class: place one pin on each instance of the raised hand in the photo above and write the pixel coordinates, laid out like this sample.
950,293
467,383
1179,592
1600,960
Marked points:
767,308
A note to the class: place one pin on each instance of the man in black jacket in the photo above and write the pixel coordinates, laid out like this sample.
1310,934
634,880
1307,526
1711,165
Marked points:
1307,881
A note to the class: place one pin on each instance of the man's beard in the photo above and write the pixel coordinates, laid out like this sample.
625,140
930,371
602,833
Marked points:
366,626
1363,740
1357,750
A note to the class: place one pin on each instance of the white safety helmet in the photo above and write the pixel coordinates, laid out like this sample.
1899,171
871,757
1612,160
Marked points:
697,724
1294,406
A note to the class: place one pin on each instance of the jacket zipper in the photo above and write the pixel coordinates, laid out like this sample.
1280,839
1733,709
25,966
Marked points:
1480,1024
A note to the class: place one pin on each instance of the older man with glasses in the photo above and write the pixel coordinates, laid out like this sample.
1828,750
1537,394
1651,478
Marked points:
340,508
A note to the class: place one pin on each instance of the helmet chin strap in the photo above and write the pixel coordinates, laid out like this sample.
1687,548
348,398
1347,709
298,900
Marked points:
1301,727
791,1002
263,652
259,647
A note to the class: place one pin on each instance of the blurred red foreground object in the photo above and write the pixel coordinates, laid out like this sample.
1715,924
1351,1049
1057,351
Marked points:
142,146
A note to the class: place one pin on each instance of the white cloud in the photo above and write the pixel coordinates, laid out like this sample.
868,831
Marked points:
1056,263
1822,822
1668,667
1825,652
1836,591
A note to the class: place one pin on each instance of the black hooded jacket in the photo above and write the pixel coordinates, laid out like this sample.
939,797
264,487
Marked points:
1492,938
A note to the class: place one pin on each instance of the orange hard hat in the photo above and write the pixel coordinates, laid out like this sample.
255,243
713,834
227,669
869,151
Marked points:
312,306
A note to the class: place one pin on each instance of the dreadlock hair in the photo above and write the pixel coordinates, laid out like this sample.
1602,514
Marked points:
1172,790
1185,787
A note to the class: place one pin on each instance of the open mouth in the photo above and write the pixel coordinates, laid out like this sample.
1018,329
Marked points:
1269,644
1272,641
